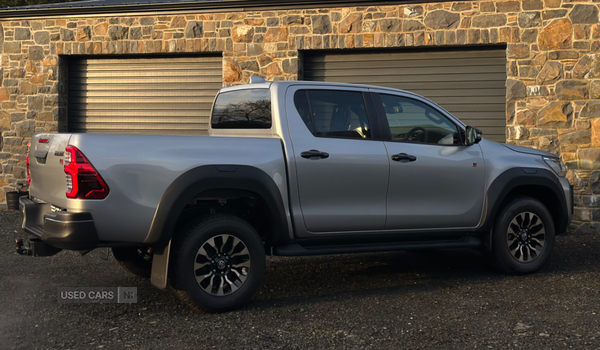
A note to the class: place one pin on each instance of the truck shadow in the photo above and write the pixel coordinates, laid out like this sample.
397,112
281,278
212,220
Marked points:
303,280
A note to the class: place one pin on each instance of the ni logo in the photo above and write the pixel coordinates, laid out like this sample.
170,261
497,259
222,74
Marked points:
127,295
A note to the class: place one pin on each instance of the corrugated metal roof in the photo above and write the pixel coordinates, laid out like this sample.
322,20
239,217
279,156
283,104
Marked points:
113,7
97,3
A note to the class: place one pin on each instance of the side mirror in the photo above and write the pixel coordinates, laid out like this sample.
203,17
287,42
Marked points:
472,136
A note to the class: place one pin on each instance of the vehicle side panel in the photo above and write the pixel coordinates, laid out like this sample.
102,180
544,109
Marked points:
343,192
443,188
139,168
210,177
516,177
504,168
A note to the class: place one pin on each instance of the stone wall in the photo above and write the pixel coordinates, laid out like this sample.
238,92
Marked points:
553,85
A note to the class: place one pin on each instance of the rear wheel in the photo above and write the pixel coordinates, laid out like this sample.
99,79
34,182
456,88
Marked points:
523,237
218,263
136,260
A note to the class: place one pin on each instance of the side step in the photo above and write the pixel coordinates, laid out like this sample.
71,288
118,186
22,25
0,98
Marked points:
296,249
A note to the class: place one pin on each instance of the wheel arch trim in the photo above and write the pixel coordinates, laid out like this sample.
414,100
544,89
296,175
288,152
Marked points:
513,178
211,177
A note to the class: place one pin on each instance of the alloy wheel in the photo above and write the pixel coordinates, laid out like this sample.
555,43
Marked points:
526,237
222,265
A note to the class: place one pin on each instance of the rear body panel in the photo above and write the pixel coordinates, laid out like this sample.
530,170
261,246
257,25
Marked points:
139,168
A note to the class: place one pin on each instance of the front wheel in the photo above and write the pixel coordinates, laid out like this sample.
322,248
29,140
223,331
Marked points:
218,263
523,236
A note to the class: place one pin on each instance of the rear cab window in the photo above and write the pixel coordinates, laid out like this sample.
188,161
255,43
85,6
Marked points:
242,109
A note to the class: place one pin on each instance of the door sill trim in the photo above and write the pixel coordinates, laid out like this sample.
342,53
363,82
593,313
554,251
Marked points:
298,249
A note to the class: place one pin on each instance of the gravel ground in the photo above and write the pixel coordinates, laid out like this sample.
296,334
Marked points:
435,300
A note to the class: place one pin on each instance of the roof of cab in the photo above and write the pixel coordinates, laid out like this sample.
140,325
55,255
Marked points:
263,84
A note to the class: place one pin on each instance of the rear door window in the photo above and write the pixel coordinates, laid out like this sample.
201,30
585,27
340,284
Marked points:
331,113
242,109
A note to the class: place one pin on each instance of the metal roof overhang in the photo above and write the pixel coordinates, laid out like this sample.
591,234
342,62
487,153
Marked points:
175,7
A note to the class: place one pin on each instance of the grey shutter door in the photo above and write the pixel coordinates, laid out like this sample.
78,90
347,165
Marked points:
169,96
469,84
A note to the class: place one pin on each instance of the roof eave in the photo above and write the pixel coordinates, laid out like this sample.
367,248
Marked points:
191,7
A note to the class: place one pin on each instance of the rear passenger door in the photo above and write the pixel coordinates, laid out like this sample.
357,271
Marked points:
341,170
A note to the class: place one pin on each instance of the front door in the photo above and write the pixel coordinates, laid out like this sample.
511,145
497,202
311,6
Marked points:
435,181
342,173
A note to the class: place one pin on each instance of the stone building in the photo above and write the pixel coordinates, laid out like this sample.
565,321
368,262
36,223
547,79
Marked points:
525,72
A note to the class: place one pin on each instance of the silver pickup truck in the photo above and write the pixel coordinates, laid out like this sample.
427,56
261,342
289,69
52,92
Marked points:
292,168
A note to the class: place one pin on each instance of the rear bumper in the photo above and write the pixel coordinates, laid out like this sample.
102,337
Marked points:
64,230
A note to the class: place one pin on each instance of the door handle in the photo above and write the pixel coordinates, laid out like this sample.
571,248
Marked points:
403,157
314,153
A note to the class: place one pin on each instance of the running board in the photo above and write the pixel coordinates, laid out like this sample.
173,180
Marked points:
296,249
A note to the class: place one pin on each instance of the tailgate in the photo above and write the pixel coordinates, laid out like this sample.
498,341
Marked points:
48,181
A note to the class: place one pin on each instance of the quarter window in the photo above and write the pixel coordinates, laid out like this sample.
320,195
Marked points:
330,113
242,109
414,121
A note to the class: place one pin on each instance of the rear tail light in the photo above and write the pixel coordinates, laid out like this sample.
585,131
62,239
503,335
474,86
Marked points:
83,181
27,161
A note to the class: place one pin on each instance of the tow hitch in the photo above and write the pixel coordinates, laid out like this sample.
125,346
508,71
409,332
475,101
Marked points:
36,247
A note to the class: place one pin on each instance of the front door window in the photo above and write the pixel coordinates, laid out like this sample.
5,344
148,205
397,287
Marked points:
413,121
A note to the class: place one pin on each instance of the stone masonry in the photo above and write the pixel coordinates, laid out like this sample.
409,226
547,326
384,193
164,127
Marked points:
553,65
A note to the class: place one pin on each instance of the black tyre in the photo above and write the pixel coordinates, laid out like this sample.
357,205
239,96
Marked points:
217,263
523,236
137,260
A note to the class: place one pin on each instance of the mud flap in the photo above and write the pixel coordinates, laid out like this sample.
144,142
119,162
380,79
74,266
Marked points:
160,266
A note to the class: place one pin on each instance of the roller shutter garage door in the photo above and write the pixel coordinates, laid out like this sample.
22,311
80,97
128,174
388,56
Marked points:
169,96
469,84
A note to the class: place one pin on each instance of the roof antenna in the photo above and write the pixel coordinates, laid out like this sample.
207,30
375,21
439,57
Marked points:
255,80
